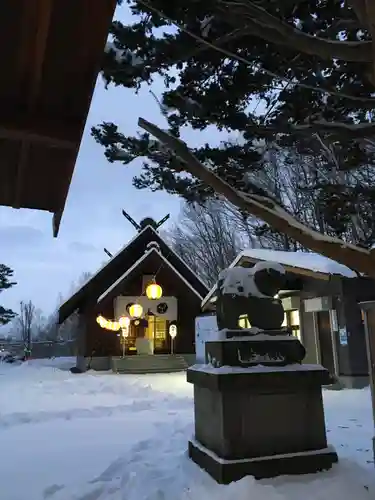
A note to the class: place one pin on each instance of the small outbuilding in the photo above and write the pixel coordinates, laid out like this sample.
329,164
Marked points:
321,303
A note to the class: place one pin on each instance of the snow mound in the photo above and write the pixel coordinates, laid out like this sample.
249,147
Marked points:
159,468
101,436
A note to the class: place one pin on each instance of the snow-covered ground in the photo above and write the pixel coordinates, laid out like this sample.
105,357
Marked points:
109,437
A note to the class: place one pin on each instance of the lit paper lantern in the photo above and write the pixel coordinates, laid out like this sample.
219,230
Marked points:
173,331
124,321
136,310
154,291
102,321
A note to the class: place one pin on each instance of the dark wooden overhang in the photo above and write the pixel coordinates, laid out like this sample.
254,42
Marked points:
50,55
120,263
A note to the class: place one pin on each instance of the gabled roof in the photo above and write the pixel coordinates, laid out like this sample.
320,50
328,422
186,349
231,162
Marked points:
120,263
299,263
114,289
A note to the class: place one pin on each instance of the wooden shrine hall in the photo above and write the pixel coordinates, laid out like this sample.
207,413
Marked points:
137,313
51,52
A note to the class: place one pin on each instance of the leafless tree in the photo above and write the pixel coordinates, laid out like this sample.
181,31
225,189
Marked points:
25,321
68,330
267,209
207,238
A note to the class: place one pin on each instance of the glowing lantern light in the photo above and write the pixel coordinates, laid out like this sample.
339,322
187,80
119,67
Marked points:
102,321
136,310
173,335
173,331
154,291
108,325
124,321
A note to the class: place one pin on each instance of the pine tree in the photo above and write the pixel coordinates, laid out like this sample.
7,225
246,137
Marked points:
296,74
6,274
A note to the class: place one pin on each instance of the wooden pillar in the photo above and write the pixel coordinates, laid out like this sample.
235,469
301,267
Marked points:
368,309
81,362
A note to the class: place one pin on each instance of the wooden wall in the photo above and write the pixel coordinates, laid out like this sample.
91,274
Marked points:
107,343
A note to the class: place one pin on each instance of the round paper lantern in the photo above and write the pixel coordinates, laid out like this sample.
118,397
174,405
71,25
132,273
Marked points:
173,331
154,291
124,321
136,310
101,321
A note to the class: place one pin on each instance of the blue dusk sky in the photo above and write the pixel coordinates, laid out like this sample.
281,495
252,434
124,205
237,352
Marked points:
45,267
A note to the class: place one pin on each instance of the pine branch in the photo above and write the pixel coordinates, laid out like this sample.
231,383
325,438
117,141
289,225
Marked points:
279,219
351,131
245,30
269,28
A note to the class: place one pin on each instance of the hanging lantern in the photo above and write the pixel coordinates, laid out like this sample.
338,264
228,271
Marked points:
101,321
154,291
136,310
108,325
124,321
173,331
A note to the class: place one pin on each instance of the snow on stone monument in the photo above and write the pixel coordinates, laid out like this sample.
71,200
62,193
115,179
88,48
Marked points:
258,409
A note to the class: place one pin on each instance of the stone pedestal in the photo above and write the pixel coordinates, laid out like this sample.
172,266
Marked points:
252,419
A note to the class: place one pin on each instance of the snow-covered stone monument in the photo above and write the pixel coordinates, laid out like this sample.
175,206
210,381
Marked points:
258,409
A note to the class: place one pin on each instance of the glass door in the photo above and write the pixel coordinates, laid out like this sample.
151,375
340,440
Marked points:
158,331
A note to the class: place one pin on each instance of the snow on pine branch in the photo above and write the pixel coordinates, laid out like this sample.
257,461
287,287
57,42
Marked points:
265,209
216,45
123,55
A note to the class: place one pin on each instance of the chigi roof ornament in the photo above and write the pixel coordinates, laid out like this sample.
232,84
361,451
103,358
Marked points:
147,221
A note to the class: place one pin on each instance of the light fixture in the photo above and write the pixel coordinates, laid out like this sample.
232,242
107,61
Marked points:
108,325
124,321
136,310
154,291
173,334
101,321
173,331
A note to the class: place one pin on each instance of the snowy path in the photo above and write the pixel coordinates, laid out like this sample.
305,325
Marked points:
107,437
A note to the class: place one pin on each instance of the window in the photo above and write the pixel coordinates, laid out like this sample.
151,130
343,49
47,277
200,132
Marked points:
243,322
293,322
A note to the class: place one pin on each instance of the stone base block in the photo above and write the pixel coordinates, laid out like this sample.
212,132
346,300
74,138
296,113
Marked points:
227,471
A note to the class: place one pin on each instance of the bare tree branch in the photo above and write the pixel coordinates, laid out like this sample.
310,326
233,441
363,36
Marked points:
354,257
25,322
206,238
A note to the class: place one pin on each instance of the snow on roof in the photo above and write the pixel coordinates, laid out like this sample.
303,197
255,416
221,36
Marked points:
299,260
170,251
302,260
136,264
